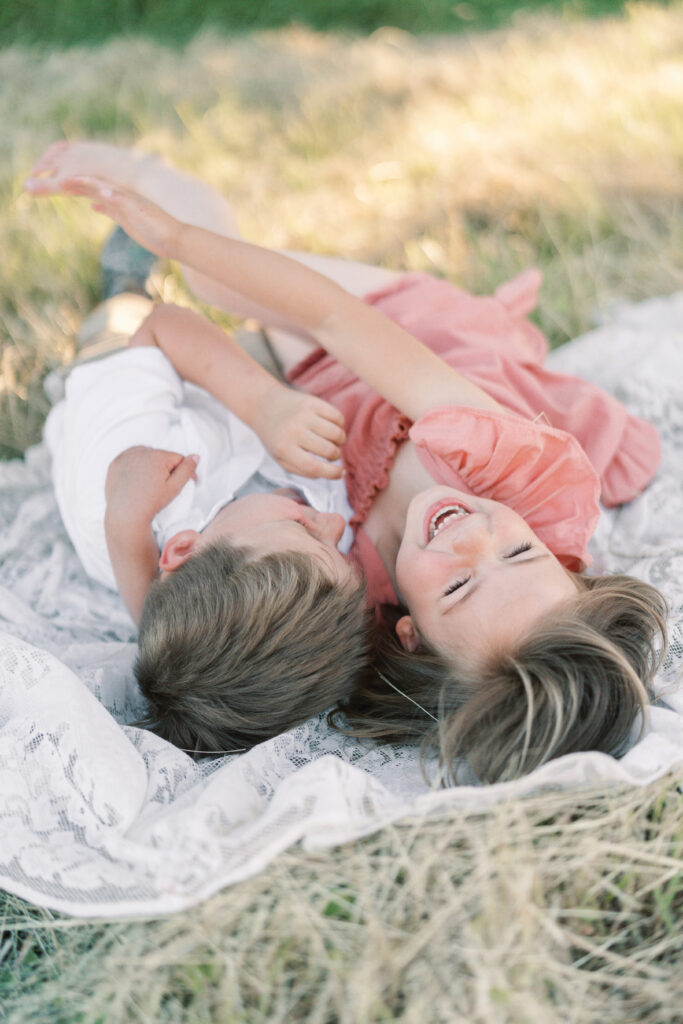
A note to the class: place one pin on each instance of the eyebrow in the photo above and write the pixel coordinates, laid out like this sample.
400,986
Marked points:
472,590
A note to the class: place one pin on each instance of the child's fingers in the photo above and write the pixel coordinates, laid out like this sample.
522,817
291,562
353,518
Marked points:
309,465
330,431
299,460
328,412
183,471
42,186
94,188
329,470
88,186
320,446
322,408
328,428
76,187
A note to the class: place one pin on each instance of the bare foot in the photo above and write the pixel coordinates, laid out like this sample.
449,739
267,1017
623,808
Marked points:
64,160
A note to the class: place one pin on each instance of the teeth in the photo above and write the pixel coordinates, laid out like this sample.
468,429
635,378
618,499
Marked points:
444,516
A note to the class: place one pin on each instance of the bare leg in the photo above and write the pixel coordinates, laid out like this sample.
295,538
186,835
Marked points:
194,202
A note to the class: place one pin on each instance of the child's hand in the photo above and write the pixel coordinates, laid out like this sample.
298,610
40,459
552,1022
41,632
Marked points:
141,481
303,433
143,220
65,160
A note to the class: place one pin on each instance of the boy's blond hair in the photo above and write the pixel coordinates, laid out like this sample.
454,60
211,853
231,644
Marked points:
235,649
579,680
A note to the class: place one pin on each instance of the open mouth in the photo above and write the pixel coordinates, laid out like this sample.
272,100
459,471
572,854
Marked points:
444,515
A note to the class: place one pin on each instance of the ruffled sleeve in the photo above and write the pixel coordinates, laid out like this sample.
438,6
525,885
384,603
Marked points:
633,464
541,473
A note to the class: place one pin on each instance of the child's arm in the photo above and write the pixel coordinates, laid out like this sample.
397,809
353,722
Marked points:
302,432
389,359
194,202
140,482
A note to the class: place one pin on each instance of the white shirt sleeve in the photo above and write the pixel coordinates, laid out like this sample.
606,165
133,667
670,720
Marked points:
135,397
130,398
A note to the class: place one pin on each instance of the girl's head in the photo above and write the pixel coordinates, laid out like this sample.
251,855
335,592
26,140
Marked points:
474,577
577,680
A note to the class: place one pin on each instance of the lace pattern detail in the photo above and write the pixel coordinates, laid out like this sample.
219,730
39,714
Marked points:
101,818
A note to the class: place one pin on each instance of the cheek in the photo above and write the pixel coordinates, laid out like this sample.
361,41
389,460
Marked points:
403,568
417,578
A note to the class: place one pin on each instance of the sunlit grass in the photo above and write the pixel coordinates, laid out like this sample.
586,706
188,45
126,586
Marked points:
468,157
556,144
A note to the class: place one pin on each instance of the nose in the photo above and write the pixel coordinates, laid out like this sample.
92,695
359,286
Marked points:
330,527
474,536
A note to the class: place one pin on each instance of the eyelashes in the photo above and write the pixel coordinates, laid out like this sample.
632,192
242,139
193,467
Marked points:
519,550
455,586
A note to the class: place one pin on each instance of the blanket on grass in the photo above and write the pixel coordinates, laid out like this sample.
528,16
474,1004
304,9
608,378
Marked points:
102,819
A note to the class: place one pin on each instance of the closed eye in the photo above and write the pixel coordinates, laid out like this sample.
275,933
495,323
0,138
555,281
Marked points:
455,586
520,549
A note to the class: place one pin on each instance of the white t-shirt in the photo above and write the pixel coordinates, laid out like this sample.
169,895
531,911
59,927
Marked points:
135,397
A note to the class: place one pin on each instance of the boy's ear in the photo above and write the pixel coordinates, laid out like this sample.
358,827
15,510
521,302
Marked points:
178,549
407,634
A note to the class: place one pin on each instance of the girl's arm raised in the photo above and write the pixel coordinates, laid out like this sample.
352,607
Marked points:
391,361
194,202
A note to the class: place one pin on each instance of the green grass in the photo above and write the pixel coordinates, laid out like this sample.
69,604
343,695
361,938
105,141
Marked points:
176,21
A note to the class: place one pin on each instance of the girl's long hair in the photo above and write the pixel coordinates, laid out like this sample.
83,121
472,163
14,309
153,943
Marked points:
579,680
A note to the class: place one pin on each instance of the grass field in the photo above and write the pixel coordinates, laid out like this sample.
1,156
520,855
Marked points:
552,142
176,21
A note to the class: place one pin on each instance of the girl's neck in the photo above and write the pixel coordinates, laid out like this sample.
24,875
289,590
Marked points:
386,519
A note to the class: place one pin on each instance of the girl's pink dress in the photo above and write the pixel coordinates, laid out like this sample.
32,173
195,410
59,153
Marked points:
564,443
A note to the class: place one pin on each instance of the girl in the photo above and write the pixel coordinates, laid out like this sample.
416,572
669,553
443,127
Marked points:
471,523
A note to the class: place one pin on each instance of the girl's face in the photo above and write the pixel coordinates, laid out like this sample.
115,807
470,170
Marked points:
473,575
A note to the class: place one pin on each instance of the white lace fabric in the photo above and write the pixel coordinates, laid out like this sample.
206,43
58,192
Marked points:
98,818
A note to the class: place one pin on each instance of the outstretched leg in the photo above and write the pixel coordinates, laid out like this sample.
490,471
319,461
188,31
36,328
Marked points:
194,202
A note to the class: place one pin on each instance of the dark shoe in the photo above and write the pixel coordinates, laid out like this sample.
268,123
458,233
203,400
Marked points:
125,265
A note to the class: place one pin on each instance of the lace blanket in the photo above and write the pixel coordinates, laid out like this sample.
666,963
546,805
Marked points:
100,819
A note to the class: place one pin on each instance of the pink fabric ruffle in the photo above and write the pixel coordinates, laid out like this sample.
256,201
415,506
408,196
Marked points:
547,473
541,473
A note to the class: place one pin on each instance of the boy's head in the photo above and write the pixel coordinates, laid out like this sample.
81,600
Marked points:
256,624
269,523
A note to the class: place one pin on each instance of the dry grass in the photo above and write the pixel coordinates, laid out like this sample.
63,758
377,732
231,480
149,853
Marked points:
540,911
560,145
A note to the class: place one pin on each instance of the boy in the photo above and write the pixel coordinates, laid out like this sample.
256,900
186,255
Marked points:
250,619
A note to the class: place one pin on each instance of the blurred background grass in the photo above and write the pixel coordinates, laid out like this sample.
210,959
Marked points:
175,21
552,142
